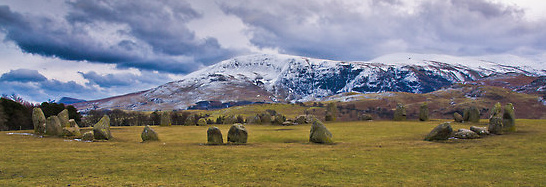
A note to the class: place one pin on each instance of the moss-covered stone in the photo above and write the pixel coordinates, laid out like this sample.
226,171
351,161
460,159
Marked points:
254,119
466,134
39,121
72,123
202,122
458,117
63,117
53,126
279,119
400,113
495,125
214,136
480,130
473,114
165,119
423,112
301,119
88,136
319,133
231,119
509,118
73,132
237,134
149,134
265,118
496,111
101,130
440,132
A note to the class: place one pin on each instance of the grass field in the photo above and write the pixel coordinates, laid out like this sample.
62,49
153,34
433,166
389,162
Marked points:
376,153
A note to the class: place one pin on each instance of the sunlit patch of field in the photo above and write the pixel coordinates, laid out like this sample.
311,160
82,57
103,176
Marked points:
375,153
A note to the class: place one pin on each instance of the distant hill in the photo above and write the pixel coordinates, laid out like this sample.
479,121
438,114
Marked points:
267,78
69,100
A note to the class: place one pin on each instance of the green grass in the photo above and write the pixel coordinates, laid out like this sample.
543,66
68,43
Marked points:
378,153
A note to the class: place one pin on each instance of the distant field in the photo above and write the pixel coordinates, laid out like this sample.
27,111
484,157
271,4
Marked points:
376,153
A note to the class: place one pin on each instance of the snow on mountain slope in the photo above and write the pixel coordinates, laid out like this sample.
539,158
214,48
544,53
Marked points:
274,78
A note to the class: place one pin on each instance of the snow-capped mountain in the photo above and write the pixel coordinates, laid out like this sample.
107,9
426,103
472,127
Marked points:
280,78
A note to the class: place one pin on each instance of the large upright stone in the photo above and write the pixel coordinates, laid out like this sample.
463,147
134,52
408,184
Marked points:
279,119
39,121
319,133
265,118
72,123
400,113
495,125
458,117
473,114
440,132
148,134
423,112
237,134
63,117
301,119
53,126
165,119
101,130
509,118
214,136
496,111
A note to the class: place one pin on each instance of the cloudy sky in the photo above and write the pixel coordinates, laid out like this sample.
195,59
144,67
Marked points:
91,49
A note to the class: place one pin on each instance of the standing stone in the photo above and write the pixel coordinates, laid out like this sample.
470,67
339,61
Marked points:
53,126
237,134
458,118
101,130
71,132
509,118
72,123
400,112
365,117
202,122
301,119
496,111
495,125
190,120
473,114
480,130
148,134
279,119
88,136
63,117
165,119
265,118
214,136
440,132
39,121
254,120
319,133
423,112
466,134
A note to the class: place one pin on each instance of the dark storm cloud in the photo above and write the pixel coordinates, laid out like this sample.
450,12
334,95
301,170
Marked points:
148,35
32,84
124,79
23,75
357,30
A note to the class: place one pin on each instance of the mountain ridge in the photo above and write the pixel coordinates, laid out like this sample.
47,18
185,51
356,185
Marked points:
285,78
